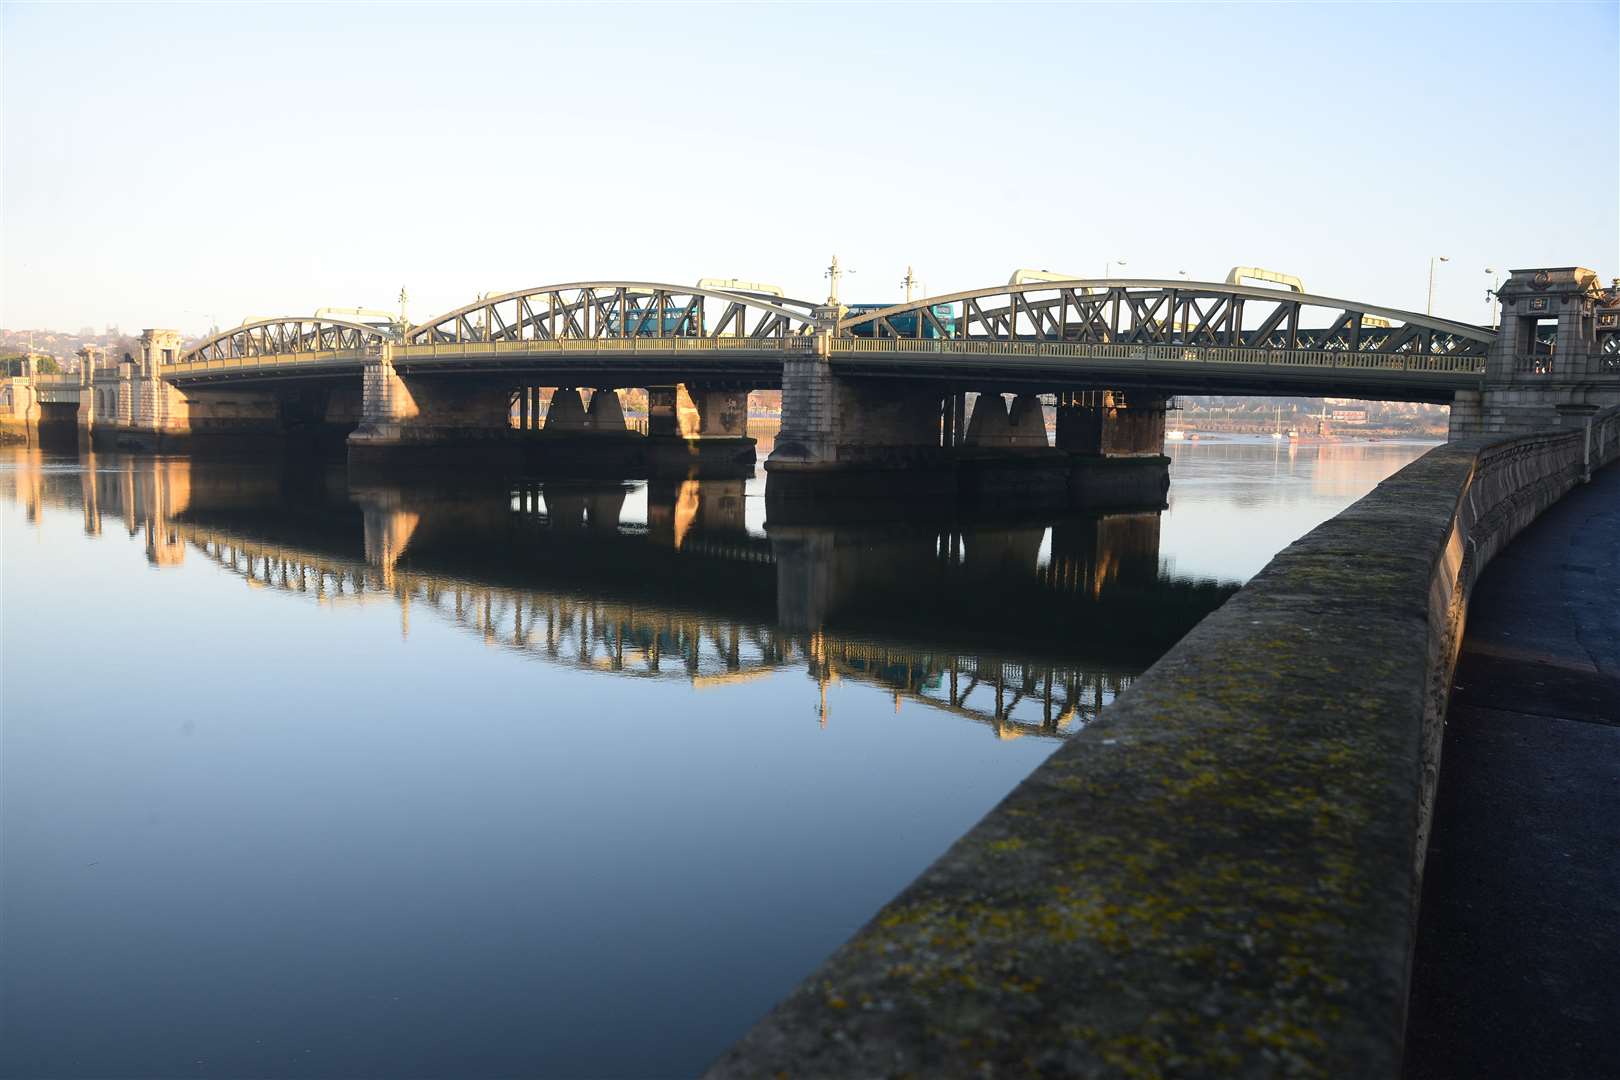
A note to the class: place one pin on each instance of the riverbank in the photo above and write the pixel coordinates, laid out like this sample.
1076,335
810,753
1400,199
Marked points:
1221,876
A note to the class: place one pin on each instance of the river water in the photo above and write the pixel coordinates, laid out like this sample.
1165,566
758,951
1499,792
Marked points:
309,775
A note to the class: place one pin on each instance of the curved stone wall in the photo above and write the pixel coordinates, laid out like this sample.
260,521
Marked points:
1221,876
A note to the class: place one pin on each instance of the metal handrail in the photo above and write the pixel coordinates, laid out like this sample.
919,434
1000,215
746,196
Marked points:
531,346
1200,354
269,360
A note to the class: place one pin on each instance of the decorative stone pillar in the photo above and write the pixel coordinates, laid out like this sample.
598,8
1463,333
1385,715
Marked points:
158,405
1551,353
805,439
124,415
90,357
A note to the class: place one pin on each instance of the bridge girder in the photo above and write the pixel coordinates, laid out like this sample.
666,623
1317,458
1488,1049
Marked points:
1145,311
596,310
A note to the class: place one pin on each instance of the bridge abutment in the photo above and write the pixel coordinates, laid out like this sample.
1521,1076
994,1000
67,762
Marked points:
1548,366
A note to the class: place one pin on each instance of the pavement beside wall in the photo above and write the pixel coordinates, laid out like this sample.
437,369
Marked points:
1517,966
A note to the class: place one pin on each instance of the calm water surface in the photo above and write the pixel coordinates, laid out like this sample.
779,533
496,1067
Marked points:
303,775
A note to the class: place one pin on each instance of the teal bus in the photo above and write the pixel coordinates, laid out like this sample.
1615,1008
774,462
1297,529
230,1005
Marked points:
641,320
905,323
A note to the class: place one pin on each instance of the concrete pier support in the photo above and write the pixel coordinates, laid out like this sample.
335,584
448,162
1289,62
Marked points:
1026,422
1115,446
606,413
567,412
989,426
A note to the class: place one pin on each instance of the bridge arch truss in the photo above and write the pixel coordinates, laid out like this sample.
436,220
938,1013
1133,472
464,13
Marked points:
1150,312
606,310
290,336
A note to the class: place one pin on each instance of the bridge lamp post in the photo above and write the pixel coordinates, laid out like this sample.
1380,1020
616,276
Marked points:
1490,294
1433,259
1108,267
833,273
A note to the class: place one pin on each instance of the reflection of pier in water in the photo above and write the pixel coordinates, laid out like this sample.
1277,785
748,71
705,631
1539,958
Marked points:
970,619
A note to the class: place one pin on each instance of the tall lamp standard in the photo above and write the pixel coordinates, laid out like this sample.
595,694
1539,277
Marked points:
1490,294
1108,267
1432,260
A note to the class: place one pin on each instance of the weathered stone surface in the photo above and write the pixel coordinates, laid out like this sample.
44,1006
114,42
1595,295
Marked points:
1219,877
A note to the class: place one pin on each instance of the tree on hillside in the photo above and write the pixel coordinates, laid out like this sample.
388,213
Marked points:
12,365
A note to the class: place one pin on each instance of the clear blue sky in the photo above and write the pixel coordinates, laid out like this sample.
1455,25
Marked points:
165,165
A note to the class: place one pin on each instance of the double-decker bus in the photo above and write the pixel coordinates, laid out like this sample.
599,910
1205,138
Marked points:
641,320
905,323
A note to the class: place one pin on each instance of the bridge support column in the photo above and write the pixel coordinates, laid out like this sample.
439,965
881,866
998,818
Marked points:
851,437
671,413
606,413
691,425
431,420
567,412
1115,447
91,358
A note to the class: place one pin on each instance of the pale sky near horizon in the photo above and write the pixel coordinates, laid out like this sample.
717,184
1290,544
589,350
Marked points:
172,165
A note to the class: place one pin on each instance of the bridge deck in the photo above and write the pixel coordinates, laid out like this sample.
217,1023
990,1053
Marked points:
986,364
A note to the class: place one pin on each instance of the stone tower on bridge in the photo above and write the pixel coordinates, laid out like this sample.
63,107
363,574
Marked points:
1555,360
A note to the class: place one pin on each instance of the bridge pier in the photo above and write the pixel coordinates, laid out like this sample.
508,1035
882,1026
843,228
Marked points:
879,438
856,438
689,428
431,418
1115,446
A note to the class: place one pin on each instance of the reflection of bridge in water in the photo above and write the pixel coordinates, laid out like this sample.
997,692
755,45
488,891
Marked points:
1030,627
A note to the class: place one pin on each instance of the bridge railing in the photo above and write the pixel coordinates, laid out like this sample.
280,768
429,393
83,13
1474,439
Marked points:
270,360
1197,354
654,345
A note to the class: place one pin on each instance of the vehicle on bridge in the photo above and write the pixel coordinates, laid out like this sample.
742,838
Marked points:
942,325
638,319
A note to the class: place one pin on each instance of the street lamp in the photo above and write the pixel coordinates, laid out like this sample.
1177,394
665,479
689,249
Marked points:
1183,274
1108,267
1432,260
1490,294
832,274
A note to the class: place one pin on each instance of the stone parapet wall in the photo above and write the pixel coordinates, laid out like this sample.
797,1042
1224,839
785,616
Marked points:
1220,877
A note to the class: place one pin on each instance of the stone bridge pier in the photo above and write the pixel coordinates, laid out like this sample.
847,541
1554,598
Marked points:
874,437
446,418
1115,444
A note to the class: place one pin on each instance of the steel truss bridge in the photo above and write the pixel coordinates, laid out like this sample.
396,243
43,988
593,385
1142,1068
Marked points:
1045,334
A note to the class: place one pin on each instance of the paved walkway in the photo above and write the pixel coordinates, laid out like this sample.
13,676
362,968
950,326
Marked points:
1517,966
